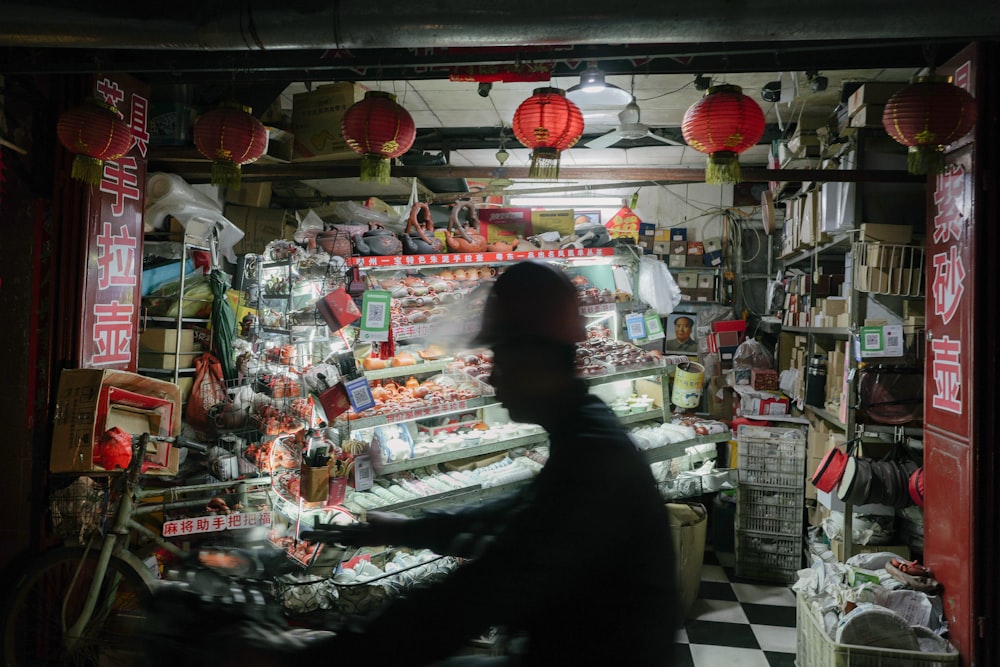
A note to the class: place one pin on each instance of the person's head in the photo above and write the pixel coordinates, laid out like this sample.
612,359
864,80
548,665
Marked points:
532,323
682,329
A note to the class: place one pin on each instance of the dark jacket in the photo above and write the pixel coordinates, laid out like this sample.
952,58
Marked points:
580,561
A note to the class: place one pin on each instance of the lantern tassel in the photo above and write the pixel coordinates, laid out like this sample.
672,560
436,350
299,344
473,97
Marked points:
375,167
544,164
925,159
90,170
723,167
226,173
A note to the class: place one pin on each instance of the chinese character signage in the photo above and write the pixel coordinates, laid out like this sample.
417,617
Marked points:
111,293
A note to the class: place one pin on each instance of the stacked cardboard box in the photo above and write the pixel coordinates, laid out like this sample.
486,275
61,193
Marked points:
316,119
866,104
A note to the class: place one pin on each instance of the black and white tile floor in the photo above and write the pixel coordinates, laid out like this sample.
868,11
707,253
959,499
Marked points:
735,623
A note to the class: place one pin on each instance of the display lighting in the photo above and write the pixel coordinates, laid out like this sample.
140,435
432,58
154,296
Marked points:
594,91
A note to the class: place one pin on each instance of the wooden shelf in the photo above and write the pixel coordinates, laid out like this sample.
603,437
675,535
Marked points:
836,332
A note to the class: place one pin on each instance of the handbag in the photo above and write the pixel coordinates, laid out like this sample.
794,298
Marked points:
460,237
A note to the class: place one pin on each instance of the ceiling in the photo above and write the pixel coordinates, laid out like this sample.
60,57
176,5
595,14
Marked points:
264,55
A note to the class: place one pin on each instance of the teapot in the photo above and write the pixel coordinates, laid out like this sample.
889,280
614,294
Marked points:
378,241
415,240
461,238
500,245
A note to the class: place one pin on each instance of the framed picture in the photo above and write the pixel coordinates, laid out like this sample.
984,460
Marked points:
587,217
681,336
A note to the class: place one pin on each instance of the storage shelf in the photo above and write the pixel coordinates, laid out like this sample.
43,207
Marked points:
399,371
165,371
641,416
836,332
413,415
840,243
173,320
826,416
593,381
465,452
676,449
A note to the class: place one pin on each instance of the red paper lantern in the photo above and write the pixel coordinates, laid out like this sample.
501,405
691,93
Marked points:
927,115
548,124
96,132
231,137
380,130
723,123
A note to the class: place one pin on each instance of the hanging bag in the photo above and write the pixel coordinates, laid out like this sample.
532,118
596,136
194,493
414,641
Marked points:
208,398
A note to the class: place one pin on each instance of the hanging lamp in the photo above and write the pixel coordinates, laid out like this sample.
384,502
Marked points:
95,132
231,137
723,124
548,124
927,115
380,130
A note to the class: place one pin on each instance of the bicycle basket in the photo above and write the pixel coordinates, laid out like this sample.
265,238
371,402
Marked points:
78,510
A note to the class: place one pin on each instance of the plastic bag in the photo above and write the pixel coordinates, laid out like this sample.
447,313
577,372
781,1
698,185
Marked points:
208,397
751,354
164,301
170,195
309,226
775,295
354,213
657,287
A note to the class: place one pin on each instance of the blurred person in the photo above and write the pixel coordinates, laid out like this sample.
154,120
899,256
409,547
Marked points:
578,565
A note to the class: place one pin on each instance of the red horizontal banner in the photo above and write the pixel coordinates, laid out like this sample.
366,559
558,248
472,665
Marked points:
478,258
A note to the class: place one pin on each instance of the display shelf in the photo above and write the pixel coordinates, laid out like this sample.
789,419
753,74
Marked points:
826,416
422,413
675,449
460,258
646,415
836,332
467,496
631,374
777,418
174,320
465,452
165,371
424,367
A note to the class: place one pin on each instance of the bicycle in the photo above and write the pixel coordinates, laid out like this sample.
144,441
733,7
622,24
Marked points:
86,604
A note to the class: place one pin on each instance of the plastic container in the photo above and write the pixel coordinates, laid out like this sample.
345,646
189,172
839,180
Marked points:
768,557
814,648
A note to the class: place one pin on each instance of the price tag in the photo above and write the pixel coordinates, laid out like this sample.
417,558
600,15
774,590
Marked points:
635,326
364,472
654,327
360,394
375,316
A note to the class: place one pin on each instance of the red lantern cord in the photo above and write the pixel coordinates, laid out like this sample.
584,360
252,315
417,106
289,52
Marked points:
723,123
927,115
547,123
96,132
231,137
380,130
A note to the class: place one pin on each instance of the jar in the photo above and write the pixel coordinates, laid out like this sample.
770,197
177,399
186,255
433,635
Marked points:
816,381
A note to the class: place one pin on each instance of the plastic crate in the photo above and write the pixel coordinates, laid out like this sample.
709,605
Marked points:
815,648
779,521
767,500
786,480
768,557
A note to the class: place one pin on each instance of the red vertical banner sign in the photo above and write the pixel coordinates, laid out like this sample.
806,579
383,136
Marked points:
111,289
949,378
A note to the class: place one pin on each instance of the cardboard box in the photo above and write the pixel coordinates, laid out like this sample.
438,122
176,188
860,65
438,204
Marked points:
679,234
873,92
695,248
260,226
687,280
678,247
663,236
250,194
316,118
870,115
162,360
547,221
712,258
90,401
899,234
677,261
165,340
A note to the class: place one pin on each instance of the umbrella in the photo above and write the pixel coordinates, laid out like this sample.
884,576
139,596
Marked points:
223,323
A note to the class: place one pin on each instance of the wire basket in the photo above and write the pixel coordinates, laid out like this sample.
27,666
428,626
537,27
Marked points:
79,510
888,268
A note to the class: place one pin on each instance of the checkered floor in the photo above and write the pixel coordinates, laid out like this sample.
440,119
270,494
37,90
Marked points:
738,624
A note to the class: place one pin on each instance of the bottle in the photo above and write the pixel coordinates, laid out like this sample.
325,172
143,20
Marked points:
816,381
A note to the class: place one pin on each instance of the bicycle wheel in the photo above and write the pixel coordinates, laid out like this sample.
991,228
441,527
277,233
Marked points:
33,619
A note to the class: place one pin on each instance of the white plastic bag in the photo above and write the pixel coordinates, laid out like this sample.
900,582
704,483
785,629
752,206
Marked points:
657,287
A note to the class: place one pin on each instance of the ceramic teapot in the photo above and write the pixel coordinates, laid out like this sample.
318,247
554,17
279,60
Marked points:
335,242
500,245
378,241
461,238
418,240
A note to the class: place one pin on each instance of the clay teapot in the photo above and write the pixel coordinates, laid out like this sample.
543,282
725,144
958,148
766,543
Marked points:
417,241
461,238
335,242
378,241
500,245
